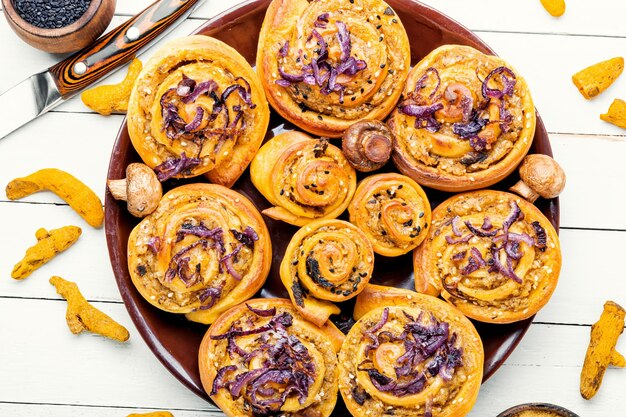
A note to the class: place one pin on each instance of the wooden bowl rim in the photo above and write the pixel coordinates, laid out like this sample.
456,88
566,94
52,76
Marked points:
49,34
561,411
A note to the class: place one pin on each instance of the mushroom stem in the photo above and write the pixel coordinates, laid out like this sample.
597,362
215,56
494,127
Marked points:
377,148
118,189
525,191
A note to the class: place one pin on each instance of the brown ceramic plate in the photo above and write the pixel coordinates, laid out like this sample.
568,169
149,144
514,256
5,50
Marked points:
173,339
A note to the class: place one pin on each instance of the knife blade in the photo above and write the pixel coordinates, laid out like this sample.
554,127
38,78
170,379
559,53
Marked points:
41,92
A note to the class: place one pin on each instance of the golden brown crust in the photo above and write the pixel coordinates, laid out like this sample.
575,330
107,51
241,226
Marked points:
224,153
189,256
305,179
326,261
377,40
449,390
480,275
441,158
393,211
319,343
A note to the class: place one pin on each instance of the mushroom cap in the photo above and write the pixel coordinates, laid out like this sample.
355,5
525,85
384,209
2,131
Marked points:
543,175
367,145
143,189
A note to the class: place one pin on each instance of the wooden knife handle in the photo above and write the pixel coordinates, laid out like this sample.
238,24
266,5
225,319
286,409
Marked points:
118,46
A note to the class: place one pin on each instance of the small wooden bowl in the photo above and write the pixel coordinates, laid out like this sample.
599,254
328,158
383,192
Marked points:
69,38
550,410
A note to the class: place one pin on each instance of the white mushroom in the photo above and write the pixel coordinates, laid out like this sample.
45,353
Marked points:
540,176
140,189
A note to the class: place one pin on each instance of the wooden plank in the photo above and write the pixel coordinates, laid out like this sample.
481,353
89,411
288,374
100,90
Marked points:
488,15
595,179
48,364
86,262
594,195
587,279
59,140
513,385
89,370
32,60
601,17
588,183
598,18
546,61
56,410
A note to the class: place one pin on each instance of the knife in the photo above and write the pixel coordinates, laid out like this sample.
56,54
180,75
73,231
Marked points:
42,92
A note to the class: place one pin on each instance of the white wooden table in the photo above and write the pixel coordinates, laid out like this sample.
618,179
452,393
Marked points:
46,370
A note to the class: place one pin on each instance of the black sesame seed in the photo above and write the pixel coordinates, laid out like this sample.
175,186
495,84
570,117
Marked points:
51,14
421,214
319,116
282,192
380,39
394,20
383,65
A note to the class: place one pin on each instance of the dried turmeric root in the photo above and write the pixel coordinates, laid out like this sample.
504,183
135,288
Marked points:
555,7
50,244
80,197
106,99
616,113
83,316
153,414
601,352
595,79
